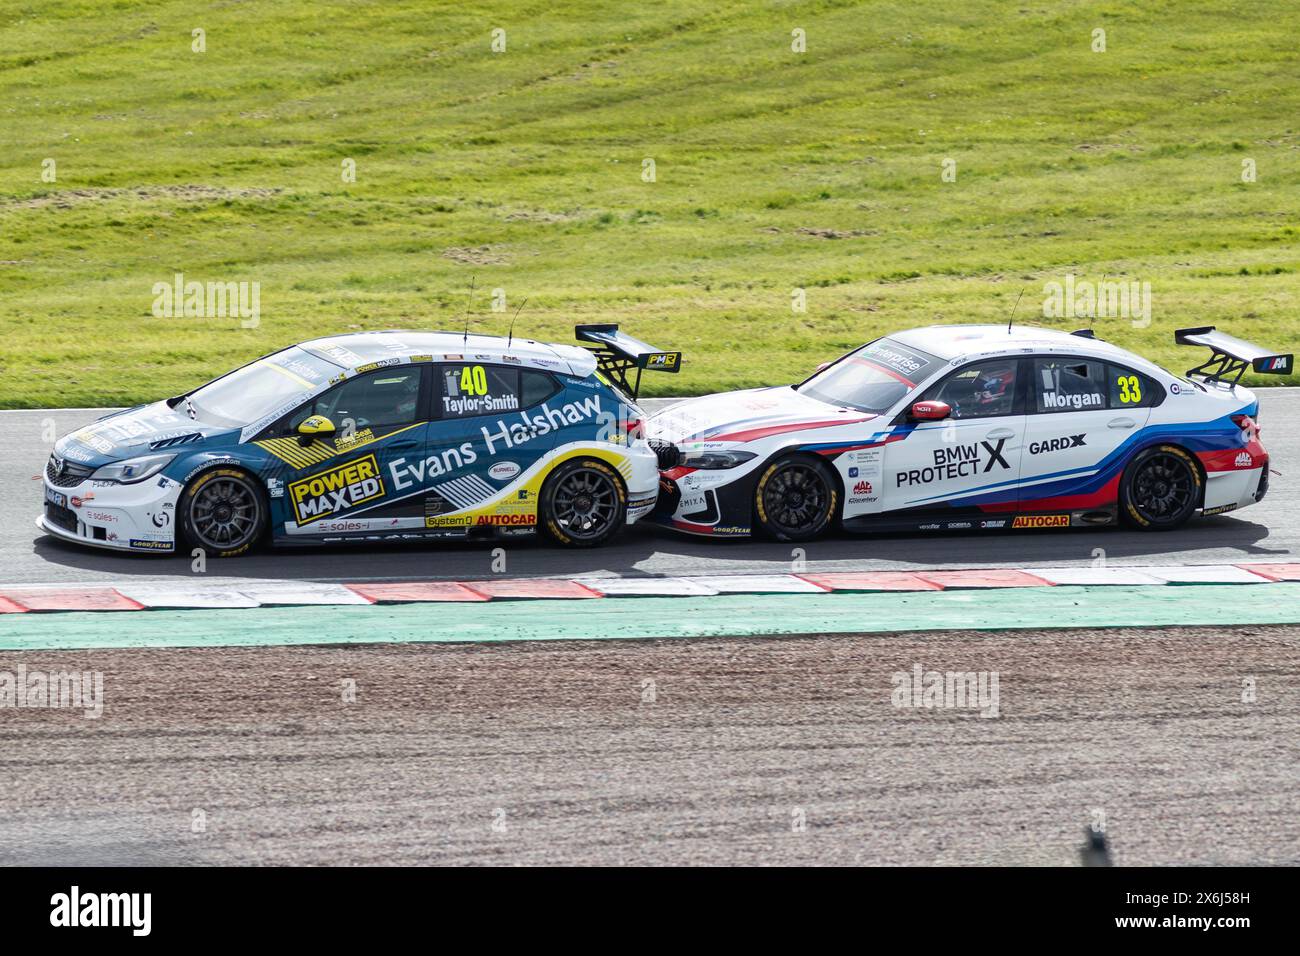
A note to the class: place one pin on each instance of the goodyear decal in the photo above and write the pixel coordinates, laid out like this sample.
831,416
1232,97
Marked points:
151,545
337,489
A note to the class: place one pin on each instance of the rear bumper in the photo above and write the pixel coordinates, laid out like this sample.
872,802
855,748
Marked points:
1228,489
642,481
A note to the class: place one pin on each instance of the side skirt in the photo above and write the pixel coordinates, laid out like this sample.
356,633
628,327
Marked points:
1000,521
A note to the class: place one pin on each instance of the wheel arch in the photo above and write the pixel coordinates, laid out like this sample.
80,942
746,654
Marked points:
554,471
797,451
787,452
1126,510
1180,446
207,467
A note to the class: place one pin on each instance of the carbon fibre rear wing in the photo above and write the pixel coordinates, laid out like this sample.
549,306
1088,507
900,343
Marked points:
1231,356
617,354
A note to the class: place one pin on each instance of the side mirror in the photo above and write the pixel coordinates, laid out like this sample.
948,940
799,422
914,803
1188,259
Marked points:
930,411
317,426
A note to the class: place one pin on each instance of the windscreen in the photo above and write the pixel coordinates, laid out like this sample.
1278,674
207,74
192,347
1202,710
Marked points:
247,394
874,378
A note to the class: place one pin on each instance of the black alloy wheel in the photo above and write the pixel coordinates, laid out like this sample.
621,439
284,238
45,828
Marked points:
223,512
583,503
795,499
1161,489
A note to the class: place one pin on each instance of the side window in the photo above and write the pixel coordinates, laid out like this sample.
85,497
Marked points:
979,390
381,399
535,388
1068,385
389,398
1128,389
469,389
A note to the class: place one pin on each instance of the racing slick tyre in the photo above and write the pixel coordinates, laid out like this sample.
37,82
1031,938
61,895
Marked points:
223,511
583,503
796,498
1161,489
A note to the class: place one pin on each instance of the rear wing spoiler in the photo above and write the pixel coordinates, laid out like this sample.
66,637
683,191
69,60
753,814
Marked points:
1231,356
617,354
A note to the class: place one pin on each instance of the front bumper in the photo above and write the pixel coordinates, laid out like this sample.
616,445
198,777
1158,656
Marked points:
139,517
711,503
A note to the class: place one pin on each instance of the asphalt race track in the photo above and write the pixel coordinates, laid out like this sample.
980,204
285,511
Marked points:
1269,531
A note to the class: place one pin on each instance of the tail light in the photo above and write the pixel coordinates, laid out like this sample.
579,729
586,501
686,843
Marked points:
1248,426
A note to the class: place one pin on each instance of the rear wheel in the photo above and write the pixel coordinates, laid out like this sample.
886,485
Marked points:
583,503
1161,489
223,512
795,499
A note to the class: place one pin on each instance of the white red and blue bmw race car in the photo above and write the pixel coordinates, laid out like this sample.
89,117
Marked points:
970,427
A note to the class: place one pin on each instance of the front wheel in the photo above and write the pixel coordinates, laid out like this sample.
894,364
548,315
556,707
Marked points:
1161,489
223,512
583,503
795,499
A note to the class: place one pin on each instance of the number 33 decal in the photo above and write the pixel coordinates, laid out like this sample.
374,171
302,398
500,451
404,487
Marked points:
1130,389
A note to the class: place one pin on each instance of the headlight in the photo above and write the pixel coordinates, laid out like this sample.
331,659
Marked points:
715,459
133,469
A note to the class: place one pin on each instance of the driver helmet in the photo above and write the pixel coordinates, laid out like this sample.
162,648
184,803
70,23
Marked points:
993,386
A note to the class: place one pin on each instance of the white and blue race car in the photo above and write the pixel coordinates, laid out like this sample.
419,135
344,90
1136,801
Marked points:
374,436
953,428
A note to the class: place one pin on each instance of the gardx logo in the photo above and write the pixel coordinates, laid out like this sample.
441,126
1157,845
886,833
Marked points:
335,490
1056,444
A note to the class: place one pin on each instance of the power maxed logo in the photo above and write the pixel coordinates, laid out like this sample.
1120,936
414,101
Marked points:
338,489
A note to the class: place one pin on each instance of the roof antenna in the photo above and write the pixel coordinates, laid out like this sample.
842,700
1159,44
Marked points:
512,322
1013,311
1100,288
465,340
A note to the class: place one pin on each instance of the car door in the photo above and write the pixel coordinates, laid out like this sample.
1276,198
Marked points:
341,483
481,440
1081,413
954,473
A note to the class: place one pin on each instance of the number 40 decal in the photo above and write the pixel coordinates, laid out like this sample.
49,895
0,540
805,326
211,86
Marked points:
473,380
1130,389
